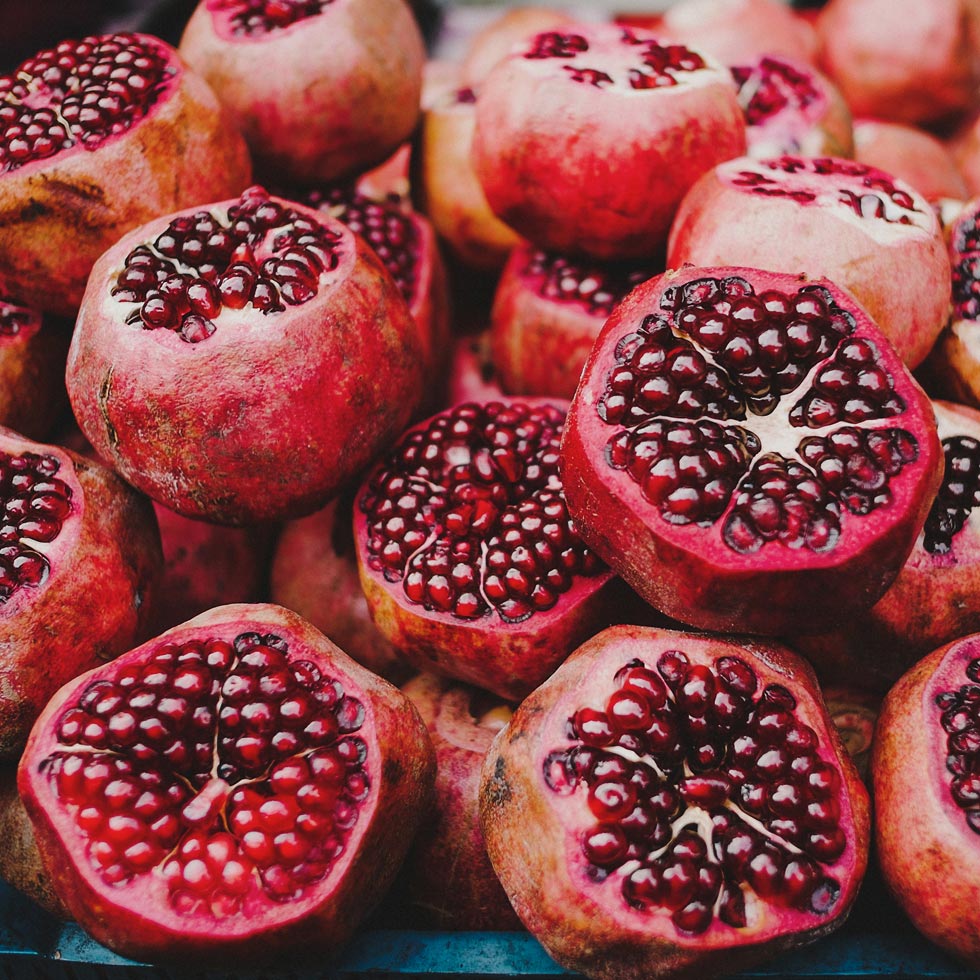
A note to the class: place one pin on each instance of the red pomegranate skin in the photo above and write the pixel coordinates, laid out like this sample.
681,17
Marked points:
137,920
109,547
60,213
266,418
927,850
533,833
307,117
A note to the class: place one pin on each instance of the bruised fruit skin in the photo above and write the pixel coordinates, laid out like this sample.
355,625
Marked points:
306,115
448,880
860,227
466,551
84,159
235,788
239,363
927,820
81,566
655,116
748,452
668,804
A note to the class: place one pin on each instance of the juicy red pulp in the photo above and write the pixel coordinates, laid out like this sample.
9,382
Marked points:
960,719
965,253
78,93
701,787
717,354
263,254
232,768
252,17
594,286
468,513
957,496
771,87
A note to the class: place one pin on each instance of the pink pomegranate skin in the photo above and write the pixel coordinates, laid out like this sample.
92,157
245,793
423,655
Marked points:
582,150
534,834
861,228
927,850
108,545
59,213
137,918
269,415
307,116
688,567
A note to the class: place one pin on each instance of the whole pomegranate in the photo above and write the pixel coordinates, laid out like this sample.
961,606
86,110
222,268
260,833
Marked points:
240,362
80,566
823,216
547,311
87,137
854,712
467,554
234,790
670,804
903,60
747,450
472,376
448,881
308,117
587,138
964,145
927,799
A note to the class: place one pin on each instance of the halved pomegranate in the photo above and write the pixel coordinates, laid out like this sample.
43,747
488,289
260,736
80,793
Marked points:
235,788
860,227
240,362
307,116
925,763
669,804
80,564
547,311
87,137
748,451
466,550
587,138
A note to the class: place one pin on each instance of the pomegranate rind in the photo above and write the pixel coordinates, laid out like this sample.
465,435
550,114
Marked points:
138,922
899,272
688,572
108,547
267,418
577,168
928,855
533,838
58,215
306,117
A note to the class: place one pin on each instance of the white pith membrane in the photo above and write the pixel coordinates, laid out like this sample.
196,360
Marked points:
707,854
467,513
886,209
234,265
78,95
220,776
257,20
714,444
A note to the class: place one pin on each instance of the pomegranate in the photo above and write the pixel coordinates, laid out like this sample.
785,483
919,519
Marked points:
924,68
307,117
314,572
912,155
32,367
234,788
547,312
860,227
448,189
733,30
87,137
927,818
466,551
964,145
669,804
854,712
586,139
239,363
791,108
72,529
448,882
748,451
936,596
471,372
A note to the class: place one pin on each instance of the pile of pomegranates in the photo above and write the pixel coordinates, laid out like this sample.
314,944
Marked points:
520,481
